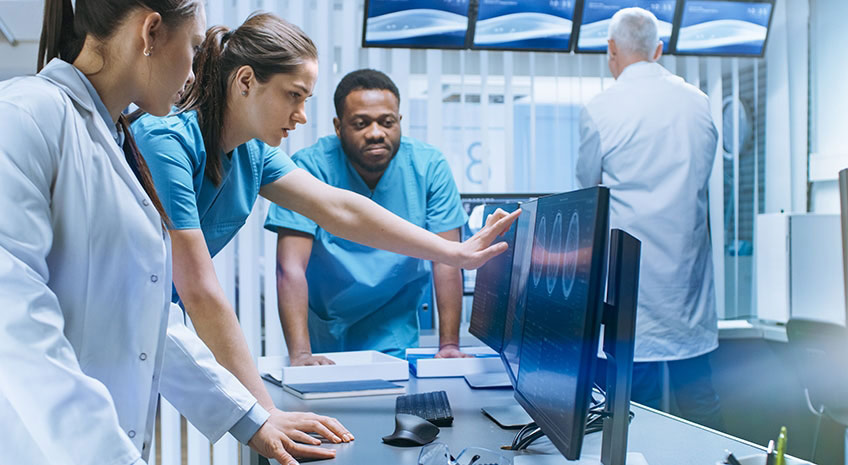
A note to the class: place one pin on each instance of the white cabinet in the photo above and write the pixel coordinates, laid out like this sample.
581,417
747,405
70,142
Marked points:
799,267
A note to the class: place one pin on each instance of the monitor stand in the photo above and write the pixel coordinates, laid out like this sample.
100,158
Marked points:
619,320
633,458
510,416
488,380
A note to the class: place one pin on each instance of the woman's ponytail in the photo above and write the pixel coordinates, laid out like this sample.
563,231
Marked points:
57,33
208,94
266,43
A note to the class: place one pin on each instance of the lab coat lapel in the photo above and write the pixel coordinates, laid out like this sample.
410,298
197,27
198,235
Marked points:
70,83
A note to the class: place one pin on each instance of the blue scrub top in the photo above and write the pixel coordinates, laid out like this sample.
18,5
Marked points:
173,149
362,298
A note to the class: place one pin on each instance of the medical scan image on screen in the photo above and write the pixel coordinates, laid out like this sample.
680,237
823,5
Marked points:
562,310
417,23
597,14
524,24
723,27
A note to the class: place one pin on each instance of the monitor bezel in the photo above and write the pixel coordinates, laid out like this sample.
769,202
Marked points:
570,443
530,209
575,26
483,337
677,5
675,31
365,44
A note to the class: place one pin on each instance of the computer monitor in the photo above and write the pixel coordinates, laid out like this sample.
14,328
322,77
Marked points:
843,201
562,314
415,23
474,205
723,27
514,318
593,33
527,25
491,290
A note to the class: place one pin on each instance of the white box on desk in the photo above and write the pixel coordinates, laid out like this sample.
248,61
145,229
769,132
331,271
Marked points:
486,360
350,366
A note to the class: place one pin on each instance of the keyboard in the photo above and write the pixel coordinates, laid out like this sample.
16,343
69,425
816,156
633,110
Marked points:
431,406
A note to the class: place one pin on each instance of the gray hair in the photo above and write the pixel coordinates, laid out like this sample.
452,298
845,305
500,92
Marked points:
635,32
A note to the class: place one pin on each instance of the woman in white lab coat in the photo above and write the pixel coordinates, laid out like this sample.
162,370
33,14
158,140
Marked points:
88,335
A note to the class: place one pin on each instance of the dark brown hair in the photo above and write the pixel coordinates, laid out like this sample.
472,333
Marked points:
63,35
268,44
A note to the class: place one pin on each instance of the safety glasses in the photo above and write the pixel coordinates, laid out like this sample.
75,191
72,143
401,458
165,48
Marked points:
438,453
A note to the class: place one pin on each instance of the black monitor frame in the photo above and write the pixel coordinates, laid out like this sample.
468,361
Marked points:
678,20
468,34
579,27
572,39
569,439
486,320
514,317
619,342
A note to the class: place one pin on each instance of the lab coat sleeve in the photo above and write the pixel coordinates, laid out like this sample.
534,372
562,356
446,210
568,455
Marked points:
68,416
590,157
204,392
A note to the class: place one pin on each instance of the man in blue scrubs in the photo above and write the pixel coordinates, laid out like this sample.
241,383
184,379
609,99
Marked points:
336,295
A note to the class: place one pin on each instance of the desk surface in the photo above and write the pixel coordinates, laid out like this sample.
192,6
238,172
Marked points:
663,439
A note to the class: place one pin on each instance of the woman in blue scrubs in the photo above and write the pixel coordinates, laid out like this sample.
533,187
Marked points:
213,158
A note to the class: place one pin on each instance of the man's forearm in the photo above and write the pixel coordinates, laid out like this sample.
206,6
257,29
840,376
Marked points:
293,306
448,282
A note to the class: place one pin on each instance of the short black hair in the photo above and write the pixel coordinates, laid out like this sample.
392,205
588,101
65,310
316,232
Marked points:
365,79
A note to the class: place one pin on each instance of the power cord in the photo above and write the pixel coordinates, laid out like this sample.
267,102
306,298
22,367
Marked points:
531,432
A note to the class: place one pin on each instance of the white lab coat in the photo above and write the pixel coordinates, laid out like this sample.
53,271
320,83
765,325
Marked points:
651,140
88,335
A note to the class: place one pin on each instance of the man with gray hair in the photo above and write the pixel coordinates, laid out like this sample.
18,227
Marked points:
651,140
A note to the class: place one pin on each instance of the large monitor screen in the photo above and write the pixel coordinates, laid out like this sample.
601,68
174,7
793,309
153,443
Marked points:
723,27
415,23
491,290
514,319
597,14
544,25
562,314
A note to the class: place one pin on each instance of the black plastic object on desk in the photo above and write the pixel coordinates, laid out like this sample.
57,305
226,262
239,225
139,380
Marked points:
431,406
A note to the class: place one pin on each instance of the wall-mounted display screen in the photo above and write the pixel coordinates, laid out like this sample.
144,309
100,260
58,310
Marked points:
543,25
415,23
597,14
723,27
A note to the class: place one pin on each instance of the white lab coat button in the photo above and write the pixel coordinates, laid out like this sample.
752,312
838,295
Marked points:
142,357
145,202
131,434
154,278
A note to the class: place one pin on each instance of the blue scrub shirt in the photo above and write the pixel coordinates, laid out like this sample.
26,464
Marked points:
362,298
173,149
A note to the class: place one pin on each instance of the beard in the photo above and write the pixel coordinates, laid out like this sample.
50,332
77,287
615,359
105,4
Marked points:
361,160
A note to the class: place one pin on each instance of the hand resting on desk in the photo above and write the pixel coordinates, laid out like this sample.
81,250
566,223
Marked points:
305,360
285,436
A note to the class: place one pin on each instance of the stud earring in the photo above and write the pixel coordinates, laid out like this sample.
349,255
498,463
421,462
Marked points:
244,92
